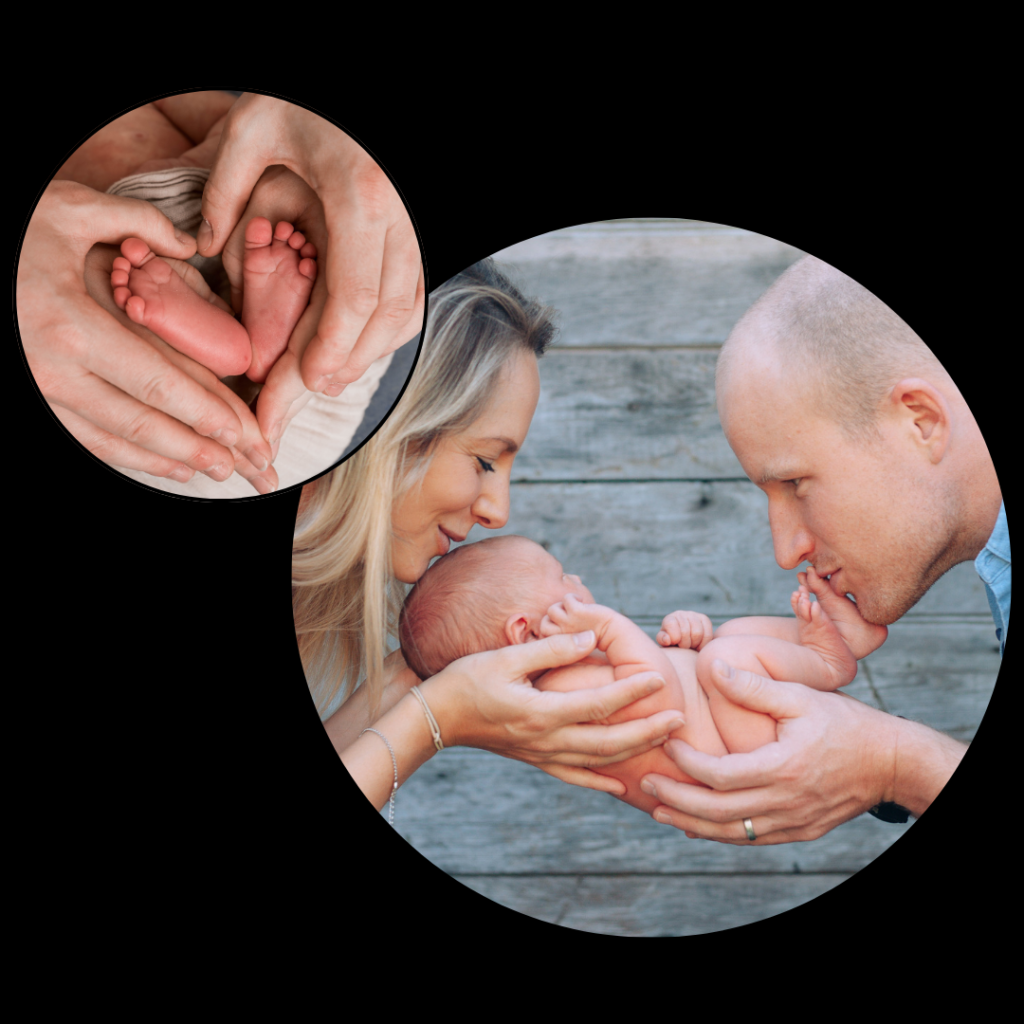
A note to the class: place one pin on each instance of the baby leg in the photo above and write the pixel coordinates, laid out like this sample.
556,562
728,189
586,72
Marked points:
153,295
859,635
817,632
741,729
278,271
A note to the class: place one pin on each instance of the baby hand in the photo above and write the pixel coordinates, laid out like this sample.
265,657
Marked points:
689,630
571,615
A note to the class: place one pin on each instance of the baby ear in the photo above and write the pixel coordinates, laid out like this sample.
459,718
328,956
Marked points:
517,630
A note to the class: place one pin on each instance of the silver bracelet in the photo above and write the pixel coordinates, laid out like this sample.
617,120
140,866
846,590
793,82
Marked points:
394,763
435,731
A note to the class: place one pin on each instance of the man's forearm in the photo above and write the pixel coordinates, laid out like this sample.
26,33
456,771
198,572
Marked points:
925,762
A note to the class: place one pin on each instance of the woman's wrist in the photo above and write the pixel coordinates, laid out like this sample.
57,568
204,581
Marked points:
368,760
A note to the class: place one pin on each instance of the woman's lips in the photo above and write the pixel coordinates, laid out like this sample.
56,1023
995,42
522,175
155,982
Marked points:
446,538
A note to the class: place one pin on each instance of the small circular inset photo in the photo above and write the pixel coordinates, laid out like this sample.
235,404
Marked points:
220,295
700,537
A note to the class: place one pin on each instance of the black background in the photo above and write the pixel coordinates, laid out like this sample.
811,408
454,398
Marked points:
175,767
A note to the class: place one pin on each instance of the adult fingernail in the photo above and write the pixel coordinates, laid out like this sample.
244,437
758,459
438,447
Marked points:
585,639
676,723
648,788
225,435
182,474
662,817
257,459
182,236
205,238
220,472
264,486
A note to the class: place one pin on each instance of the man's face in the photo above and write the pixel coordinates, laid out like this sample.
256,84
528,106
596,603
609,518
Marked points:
867,514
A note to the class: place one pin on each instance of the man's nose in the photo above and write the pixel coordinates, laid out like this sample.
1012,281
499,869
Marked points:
793,541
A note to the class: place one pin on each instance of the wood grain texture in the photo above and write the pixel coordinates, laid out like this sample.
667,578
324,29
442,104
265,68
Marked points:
648,548
632,414
645,906
648,283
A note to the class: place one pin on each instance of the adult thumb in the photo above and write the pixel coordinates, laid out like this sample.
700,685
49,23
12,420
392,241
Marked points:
124,218
551,652
756,692
236,169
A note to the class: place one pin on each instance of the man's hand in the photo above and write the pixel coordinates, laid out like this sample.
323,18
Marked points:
834,759
373,275
123,400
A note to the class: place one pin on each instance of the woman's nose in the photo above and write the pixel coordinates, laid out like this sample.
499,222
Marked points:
491,508
793,542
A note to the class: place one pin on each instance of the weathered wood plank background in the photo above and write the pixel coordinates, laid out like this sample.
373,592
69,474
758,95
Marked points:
627,478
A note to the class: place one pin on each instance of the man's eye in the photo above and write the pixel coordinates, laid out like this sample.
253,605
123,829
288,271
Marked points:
488,466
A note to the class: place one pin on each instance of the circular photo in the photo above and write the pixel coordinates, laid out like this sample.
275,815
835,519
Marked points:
726,585
220,295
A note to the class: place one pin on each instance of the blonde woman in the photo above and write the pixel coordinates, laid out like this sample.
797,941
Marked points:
440,465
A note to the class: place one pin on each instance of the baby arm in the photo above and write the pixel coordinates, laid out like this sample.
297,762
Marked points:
628,648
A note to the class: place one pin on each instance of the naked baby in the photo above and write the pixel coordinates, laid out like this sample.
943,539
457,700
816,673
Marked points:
509,590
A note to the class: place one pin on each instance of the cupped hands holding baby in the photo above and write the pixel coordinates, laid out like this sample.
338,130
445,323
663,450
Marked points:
508,590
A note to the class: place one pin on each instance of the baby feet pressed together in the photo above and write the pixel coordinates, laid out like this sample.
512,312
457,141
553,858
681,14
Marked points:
278,271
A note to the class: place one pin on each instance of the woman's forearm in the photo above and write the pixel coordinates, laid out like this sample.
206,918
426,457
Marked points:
368,759
345,725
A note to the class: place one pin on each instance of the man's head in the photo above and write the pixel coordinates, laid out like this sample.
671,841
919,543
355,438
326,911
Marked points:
480,597
874,467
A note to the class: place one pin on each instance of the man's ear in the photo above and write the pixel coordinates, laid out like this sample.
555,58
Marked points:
926,413
518,631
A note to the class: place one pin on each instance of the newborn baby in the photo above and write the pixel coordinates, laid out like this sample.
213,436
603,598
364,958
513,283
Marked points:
509,590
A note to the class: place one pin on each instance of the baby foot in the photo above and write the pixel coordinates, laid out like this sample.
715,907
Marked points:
861,636
278,272
818,633
152,294
689,630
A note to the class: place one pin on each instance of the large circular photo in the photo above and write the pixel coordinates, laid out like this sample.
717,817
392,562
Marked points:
697,535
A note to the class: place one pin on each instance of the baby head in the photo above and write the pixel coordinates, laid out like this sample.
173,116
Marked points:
480,597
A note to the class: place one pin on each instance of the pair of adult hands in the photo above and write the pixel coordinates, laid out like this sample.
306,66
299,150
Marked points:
137,409
834,757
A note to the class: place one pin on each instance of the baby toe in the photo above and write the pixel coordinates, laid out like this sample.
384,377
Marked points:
258,231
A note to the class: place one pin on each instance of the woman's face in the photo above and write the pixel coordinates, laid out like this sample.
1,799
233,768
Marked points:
468,478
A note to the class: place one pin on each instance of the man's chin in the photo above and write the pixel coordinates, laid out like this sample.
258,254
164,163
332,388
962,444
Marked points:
884,611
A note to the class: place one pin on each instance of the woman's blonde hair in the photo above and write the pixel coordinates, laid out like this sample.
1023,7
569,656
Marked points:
344,596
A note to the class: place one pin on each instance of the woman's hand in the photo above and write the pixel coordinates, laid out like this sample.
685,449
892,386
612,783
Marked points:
486,700
373,275
127,403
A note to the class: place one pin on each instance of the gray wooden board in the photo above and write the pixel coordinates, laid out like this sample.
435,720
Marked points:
649,548
471,812
652,906
647,283
632,414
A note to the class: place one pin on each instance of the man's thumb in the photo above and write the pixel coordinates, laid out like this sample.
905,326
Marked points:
753,691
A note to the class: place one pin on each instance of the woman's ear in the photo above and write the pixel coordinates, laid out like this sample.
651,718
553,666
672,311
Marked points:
517,629
926,413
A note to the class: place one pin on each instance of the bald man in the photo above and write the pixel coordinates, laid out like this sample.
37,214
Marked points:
877,474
